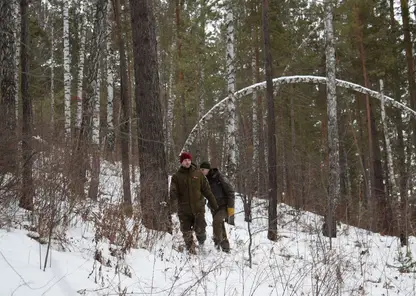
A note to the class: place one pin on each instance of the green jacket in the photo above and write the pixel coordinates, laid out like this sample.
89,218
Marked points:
186,188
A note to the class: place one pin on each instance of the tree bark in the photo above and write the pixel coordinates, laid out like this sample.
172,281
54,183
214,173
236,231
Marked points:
8,89
67,70
152,161
376,171
409,58
26,200
180,76
334,189
231,125
110,81
271,124
125,113
80,74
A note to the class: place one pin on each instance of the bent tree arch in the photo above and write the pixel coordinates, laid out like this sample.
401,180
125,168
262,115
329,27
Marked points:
277,82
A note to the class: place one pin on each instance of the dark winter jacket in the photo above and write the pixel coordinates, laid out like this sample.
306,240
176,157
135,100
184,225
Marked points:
186,188
221,187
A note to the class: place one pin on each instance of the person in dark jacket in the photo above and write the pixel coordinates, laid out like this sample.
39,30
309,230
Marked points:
225,196
186,187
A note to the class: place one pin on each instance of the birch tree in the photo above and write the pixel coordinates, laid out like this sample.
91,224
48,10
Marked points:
90,125
334,190
152,161
80,74
95,95
390,166
231,126
110,81
96,163
67,70
169,113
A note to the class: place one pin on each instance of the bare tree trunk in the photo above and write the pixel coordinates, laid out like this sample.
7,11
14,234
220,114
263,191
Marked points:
152,161
388,147
255,121
95,167
16,55
334,191
412,90
271,125
408,46
376,174
52,79
90,126
201,87
82,32
293,175
67,70
231,127
125,118
169,115
398,115
26,200
8,89
110,82
262,181
180,75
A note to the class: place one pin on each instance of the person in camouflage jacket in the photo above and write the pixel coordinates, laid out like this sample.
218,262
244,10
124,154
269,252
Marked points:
225,196
187,185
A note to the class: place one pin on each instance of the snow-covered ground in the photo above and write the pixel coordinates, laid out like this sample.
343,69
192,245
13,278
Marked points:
299,263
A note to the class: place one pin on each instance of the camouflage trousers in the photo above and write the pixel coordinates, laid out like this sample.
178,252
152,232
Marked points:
220,233
190,223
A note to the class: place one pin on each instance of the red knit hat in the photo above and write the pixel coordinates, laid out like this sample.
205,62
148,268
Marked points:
185,155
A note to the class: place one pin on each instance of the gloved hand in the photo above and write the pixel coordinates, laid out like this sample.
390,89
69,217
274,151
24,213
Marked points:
230,219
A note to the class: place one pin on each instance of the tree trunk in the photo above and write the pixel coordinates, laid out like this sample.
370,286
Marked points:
95,166
255,122
376,170
293,175
170,149
412,91
67,70
398,114
334,190
231,127
90,125
409,58
152,161
201,148
26,200
110,82
8,89
388,147
271,125
16,56
80,74
262,180
125,117
180,76
52,79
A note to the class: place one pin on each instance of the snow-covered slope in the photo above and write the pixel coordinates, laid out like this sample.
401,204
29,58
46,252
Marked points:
299,263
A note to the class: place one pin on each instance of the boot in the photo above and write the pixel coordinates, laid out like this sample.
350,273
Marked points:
191,250
225,246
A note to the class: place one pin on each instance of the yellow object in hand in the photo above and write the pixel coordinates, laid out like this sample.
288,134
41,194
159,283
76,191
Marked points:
230,212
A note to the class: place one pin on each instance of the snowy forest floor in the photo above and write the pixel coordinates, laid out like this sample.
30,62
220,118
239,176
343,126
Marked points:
83,261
